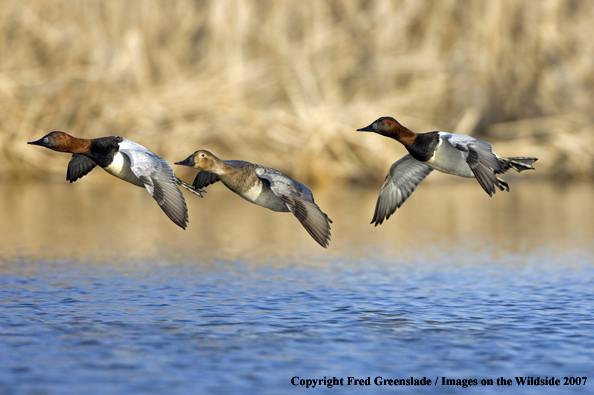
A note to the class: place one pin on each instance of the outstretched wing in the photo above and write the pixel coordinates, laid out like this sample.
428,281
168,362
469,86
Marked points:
485,165
160,182
79,166
485,175
401,181
299,200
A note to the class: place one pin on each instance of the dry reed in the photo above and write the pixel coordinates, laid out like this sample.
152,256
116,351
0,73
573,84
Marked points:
286,83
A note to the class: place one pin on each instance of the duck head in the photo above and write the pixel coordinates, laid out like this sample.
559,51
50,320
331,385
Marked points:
201,160
386,126
57,141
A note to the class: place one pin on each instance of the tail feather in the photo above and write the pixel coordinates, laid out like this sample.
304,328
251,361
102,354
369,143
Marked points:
519,164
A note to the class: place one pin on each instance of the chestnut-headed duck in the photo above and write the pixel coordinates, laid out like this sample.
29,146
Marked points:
262,186
450,153
128,161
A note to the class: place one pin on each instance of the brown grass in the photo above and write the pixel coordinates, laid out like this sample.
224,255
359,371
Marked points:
286,83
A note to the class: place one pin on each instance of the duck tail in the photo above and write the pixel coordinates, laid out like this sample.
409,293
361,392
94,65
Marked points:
519,164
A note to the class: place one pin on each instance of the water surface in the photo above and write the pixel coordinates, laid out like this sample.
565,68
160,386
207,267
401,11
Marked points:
100,293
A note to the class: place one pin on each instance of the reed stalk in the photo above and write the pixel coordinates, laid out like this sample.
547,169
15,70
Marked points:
286,83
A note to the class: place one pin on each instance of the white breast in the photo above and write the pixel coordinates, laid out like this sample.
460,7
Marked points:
449,159
118,164
120,168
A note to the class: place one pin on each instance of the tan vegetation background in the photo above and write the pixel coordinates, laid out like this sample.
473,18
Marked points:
285,83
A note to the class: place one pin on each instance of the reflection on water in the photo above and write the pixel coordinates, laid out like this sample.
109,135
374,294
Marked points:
101,293
89,221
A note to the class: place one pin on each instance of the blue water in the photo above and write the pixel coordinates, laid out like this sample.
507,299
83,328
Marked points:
184,326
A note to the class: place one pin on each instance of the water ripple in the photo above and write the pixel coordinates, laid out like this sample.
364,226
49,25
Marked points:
72,328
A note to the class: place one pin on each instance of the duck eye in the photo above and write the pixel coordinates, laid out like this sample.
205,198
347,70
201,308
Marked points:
202,155
385,121
57,136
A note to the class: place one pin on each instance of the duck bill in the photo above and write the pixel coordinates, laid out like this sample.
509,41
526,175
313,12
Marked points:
187,162
366,129
42,142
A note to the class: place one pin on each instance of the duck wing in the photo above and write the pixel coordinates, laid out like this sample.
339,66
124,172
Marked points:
159,180
402,179
299,200
204,179
485,165
78,167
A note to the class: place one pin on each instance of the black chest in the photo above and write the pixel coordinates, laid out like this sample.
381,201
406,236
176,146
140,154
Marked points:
424,146
103,149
